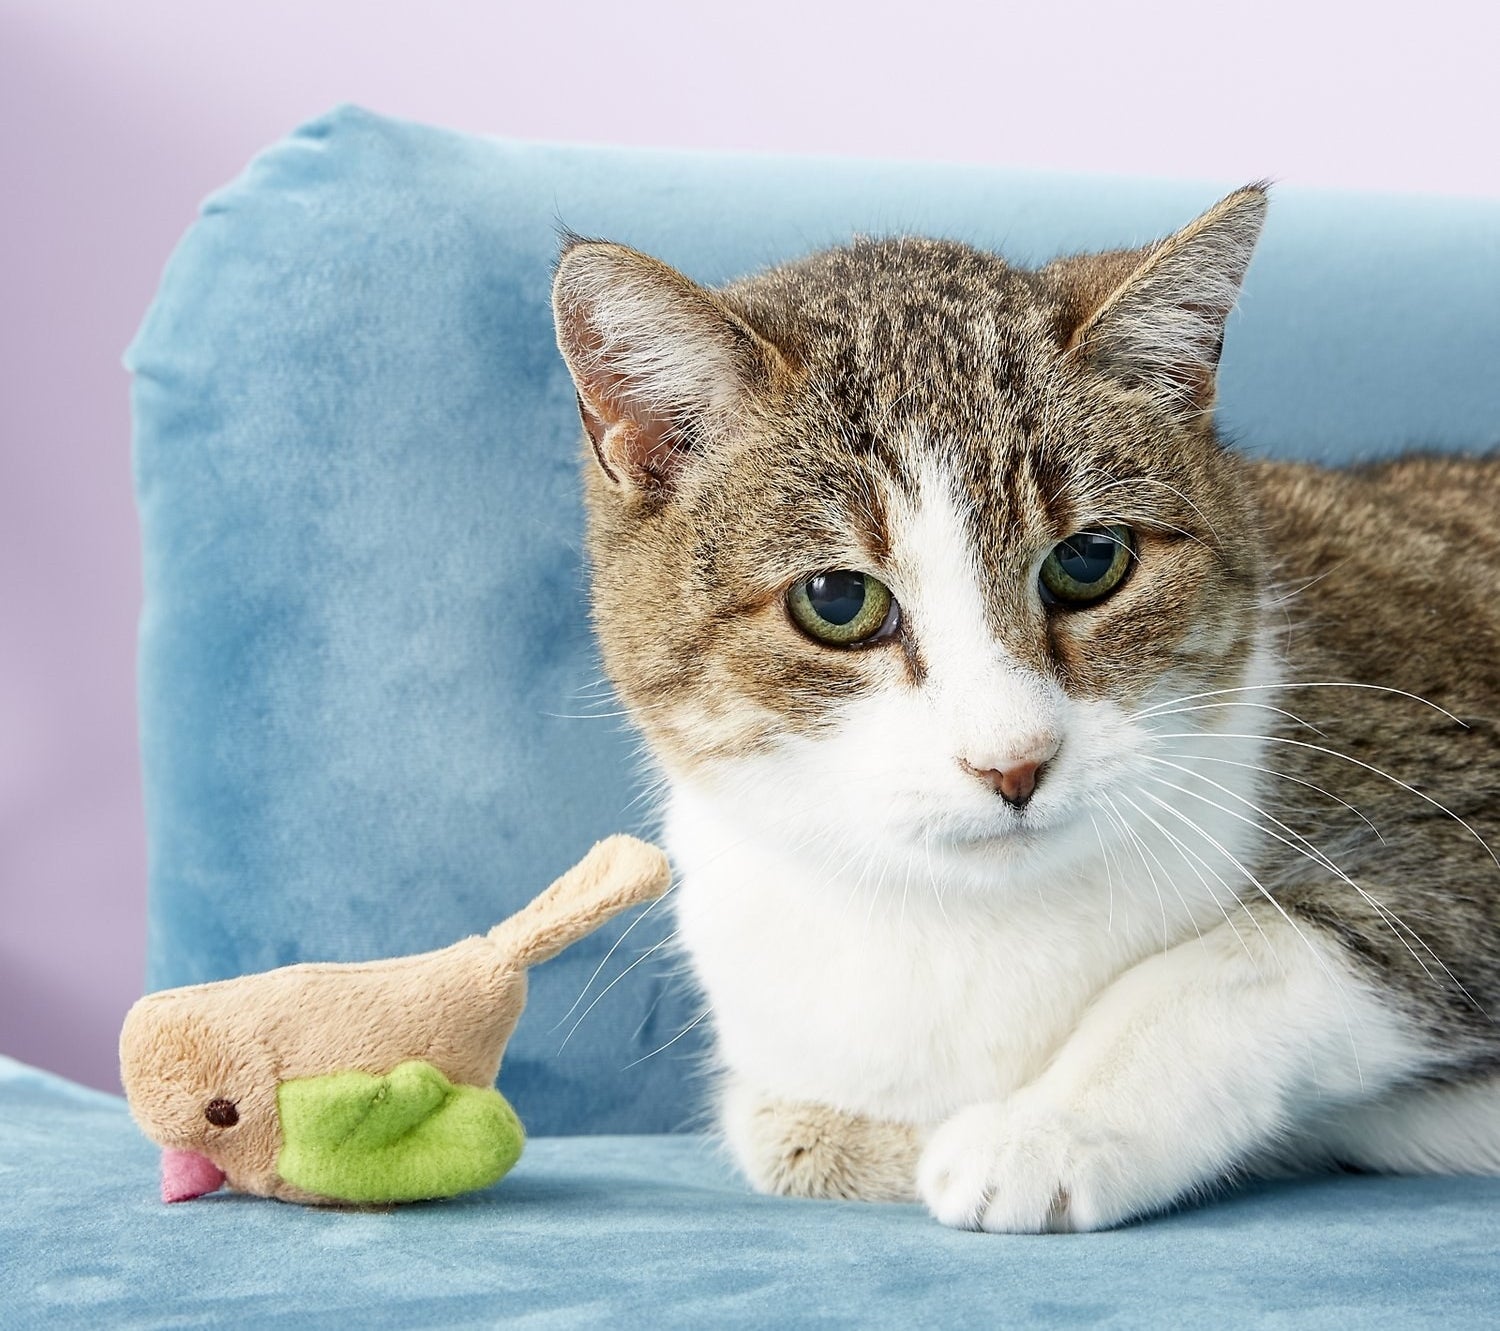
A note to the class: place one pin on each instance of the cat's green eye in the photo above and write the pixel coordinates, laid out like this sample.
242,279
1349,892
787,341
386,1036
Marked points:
843,608
1087,566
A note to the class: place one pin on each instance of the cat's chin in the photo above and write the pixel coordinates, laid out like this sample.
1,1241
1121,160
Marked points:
1022,840
987,860
1011,836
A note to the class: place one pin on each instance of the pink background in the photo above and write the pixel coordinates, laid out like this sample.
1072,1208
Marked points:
116,118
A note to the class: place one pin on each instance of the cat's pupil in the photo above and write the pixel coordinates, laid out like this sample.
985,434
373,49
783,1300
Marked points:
837,596
1087,557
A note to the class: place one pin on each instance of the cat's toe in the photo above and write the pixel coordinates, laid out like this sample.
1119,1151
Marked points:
1014,1169
956,1174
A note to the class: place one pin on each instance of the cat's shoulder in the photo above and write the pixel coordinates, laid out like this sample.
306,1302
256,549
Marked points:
1396,561
1453,494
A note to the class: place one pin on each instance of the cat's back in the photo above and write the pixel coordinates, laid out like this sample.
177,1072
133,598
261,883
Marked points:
1390,571
1386,578
1443,495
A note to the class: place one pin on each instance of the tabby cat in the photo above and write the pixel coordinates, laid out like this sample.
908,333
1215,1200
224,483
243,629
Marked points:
1071,815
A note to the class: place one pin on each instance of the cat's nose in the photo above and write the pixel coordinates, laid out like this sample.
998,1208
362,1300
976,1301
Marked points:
1014,781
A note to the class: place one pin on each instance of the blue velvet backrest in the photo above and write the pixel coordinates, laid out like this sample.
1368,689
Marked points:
371,715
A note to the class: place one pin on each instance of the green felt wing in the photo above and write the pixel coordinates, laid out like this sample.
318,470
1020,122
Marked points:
399,1138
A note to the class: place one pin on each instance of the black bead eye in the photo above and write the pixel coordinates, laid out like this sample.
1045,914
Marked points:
843,608
221,1113
1087,566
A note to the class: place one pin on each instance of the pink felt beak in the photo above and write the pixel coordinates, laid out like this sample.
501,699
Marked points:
186,1174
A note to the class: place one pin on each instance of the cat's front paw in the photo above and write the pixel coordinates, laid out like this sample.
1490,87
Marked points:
1028,1167
800,1149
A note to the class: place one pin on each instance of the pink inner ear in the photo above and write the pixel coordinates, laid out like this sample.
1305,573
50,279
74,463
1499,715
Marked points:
186,1174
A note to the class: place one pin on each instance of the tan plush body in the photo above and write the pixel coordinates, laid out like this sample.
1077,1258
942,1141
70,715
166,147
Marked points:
186,1053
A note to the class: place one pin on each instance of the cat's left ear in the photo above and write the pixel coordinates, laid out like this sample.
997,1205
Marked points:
661,365
1161,329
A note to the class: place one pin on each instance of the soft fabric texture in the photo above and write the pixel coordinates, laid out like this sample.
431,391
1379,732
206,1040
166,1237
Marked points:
407,1136
186,1174
656,1231
367,1081
365,656
369,704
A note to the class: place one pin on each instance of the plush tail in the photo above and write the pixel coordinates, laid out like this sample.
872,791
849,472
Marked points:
617,873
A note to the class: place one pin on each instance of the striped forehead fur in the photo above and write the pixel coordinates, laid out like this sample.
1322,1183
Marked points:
837,383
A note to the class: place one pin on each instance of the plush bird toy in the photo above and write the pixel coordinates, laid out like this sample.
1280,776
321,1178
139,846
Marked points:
369,1082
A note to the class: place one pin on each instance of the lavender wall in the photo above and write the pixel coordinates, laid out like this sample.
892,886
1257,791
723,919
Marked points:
116,118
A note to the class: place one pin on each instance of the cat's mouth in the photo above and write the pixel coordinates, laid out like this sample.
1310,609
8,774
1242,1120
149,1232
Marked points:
1018,834
988,840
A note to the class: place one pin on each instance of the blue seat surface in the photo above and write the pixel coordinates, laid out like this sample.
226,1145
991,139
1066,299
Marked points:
655,1231
372,723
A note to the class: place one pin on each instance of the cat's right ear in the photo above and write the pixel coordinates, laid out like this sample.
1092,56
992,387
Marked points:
1156,316
660,364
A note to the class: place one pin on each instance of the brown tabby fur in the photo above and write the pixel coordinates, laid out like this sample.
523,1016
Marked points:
854,364
1400,563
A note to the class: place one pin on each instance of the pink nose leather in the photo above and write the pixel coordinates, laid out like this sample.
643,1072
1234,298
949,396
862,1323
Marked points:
186,1174
1013,784
1016,783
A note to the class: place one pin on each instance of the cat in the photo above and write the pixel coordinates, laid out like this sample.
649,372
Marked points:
1072,815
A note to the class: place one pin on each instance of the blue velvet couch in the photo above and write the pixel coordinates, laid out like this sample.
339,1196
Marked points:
373,723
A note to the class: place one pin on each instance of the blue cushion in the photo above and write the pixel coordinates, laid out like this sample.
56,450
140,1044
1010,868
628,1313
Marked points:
370,710
634,1231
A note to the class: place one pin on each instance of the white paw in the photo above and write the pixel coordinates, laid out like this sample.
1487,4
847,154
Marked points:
800,1149
1026,1167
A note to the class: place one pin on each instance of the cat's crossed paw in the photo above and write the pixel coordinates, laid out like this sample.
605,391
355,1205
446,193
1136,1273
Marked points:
1025,1166
799,1149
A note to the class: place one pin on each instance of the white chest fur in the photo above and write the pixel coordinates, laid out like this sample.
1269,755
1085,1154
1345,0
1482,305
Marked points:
891,1003
874,930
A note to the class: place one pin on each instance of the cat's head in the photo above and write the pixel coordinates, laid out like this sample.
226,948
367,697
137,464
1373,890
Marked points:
889,543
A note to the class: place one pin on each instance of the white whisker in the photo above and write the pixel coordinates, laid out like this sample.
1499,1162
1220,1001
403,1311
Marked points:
1123,824
1109,926
1318,957
1310,851
653,948
1300,684
1334,753
1211,706
1183,850
1284,776
614,947
702,1016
